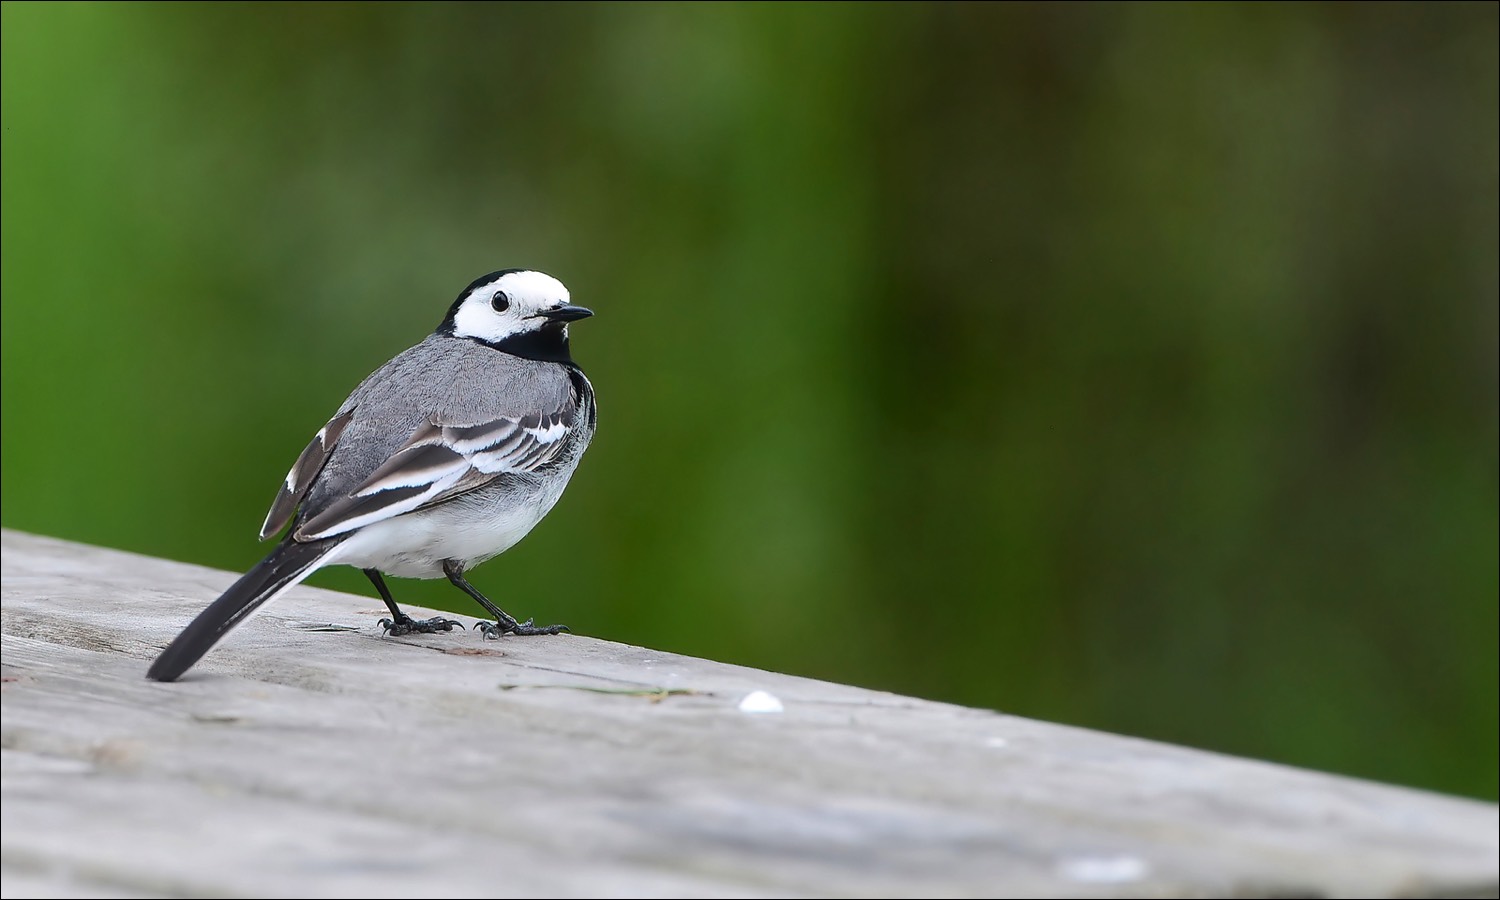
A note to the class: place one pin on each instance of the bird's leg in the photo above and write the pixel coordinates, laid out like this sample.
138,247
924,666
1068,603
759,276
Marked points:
504,623
401,623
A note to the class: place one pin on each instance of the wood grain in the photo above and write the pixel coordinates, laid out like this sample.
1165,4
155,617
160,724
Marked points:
299,762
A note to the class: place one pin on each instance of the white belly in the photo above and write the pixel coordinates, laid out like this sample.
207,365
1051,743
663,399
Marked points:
469,529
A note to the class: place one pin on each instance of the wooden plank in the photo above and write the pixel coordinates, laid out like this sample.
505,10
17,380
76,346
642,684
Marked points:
298,762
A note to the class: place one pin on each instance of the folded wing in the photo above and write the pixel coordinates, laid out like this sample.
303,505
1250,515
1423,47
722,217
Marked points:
439,462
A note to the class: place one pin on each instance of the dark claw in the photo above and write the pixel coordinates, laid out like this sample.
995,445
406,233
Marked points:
494,630
543,629
408,625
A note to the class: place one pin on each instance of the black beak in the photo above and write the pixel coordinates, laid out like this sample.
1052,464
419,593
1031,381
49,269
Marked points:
564,314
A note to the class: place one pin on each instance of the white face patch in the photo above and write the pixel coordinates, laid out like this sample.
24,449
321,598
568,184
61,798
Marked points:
528,293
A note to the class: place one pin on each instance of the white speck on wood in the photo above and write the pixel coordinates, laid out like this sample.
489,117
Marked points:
1103,869
760,702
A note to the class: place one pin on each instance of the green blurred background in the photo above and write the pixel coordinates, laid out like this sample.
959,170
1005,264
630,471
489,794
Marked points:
1132,366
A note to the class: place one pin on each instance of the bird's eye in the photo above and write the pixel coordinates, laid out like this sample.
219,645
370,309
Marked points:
500,302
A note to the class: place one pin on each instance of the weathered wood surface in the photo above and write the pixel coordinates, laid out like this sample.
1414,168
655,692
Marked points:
298,762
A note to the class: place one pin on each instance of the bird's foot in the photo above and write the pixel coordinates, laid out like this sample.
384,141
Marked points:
496,629
407,625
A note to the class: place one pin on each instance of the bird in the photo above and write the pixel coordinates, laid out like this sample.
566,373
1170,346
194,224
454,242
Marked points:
444,457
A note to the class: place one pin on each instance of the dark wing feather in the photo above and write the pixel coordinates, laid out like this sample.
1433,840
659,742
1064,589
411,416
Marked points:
304,471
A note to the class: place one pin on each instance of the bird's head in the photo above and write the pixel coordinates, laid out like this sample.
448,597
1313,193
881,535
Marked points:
518,310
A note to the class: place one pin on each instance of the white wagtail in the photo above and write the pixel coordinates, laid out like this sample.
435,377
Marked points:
443,458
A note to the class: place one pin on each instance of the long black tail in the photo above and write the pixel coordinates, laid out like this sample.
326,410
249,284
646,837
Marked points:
282,568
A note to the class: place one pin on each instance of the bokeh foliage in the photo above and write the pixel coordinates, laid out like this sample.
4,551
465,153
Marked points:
1133,366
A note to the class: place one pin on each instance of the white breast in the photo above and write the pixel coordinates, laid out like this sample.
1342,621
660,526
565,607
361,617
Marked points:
471,529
